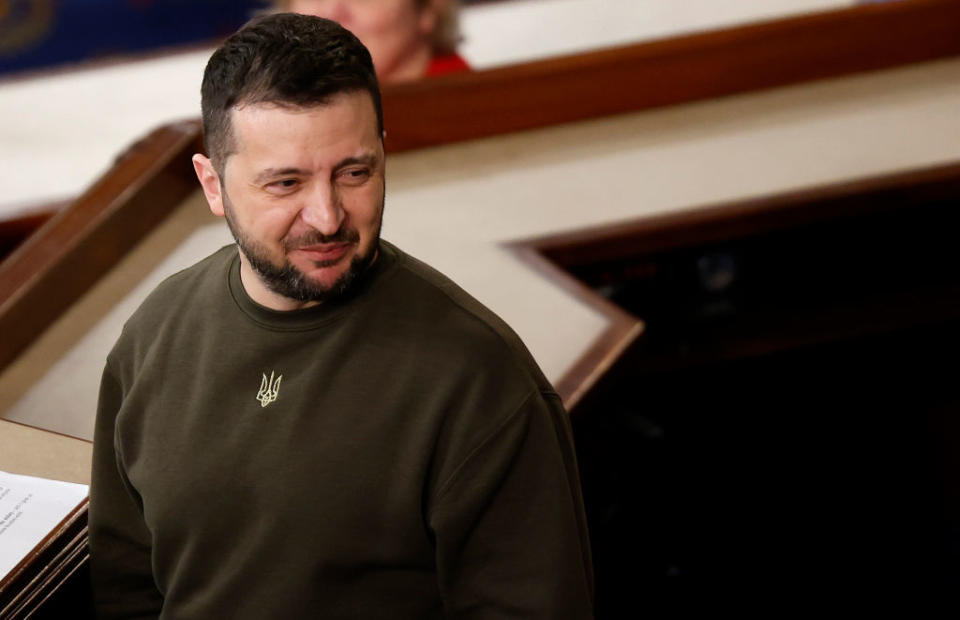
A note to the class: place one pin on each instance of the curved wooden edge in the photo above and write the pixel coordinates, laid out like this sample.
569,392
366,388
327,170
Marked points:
75,247
57,556
15,230
555,256
622,331
644,236
78,556
58,263
671,71
47,432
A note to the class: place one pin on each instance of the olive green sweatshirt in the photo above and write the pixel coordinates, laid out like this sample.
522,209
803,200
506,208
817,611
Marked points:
395,454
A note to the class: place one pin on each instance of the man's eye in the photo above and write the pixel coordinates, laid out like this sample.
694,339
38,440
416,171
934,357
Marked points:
282,185
355,176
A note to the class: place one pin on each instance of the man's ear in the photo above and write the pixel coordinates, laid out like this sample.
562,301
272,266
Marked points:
210,182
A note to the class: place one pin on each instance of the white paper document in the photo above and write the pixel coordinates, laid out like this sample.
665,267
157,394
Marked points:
30,508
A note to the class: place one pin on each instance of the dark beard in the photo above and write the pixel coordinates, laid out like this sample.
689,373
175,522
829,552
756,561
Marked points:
286,279
292,283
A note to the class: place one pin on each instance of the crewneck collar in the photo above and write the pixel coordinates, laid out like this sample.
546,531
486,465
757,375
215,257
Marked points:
320,314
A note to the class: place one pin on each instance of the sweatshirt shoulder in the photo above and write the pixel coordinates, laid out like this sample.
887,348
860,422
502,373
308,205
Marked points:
454,313
179,296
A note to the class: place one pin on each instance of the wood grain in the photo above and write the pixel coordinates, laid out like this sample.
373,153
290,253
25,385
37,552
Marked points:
75,247
633,239
631,245
622,331
671,71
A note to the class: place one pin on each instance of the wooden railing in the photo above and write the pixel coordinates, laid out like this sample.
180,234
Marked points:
77,245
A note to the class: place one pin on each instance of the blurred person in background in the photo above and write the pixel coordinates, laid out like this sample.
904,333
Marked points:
408,39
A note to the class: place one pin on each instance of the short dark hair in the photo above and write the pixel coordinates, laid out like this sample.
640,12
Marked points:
286,59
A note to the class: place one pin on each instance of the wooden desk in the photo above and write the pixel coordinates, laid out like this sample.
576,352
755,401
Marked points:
461,207
52,580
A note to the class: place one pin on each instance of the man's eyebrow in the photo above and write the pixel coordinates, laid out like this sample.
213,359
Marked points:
367,159
272,173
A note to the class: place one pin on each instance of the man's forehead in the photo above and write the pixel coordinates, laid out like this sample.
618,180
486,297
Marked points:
274,126
357,99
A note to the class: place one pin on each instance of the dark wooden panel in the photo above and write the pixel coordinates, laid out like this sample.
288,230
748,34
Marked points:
621,333
792,426
632,239
75,247
40,575
78,245
15,230
586,261
676,70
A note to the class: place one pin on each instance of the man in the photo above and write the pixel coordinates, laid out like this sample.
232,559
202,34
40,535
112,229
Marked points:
408,39
311,423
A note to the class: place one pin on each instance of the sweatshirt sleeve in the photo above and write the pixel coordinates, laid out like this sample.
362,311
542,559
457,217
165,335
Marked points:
120,543
509,526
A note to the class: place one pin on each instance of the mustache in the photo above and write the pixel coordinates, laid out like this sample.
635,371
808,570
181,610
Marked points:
315,237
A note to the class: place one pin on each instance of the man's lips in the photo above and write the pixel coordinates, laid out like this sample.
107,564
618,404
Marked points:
324,251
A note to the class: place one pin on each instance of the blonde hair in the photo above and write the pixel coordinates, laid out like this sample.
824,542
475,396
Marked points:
443,39
447,35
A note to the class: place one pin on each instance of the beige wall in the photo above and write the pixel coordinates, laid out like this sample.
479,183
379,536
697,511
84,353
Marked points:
57,133
454,206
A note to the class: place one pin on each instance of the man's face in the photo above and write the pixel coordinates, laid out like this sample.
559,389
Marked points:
393,30
303,195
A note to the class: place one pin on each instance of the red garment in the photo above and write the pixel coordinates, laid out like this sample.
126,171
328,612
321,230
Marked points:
448,63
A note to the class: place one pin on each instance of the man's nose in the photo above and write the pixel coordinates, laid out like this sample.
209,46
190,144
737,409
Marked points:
323,211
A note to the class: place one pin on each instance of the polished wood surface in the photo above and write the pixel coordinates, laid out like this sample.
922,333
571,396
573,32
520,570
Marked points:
578,250
671,71
15,230
645,75
49,577
79,244
75,247
584,260
622,331
47,569
791,424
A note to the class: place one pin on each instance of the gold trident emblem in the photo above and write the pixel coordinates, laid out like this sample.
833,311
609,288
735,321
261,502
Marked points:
268,389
